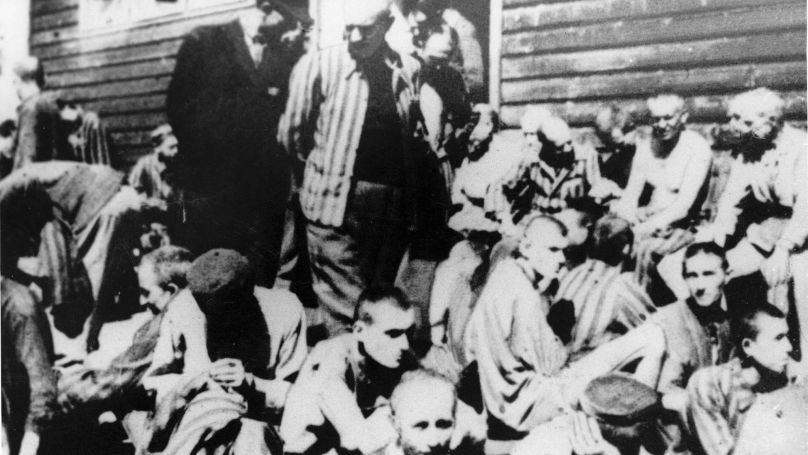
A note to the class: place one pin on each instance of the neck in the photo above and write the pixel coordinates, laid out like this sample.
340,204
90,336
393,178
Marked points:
661,148
761,379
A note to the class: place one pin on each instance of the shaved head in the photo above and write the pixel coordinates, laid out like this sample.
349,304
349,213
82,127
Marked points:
366,23
366,11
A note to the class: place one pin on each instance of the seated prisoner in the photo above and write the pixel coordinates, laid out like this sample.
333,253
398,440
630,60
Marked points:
697,328
616,417
334,403
767,191
557,171
86,247
481,168
597,299
616,129
454,293
721,395
424,409
28,380
675,163
228,342
161,276
525,371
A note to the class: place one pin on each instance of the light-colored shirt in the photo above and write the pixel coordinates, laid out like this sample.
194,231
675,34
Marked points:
183,336
779,179
323,123
325,396
677,179
516,350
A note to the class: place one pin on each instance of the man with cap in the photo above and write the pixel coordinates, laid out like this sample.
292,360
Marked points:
615,418
226,95
225,334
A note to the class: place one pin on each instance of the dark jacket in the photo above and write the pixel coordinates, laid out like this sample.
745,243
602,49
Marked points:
225,111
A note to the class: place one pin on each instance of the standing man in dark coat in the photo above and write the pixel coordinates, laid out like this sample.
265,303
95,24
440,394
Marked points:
228,91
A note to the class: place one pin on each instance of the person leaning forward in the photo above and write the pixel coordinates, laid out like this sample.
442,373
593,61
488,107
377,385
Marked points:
349,119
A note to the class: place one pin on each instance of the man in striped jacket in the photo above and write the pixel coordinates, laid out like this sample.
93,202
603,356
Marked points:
348,122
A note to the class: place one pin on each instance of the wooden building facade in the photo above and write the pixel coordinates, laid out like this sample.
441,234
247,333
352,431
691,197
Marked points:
569,55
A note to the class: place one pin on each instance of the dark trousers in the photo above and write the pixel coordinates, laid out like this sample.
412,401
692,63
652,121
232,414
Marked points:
366,250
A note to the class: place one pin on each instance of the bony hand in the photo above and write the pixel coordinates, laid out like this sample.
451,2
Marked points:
586,439
775,269
228,373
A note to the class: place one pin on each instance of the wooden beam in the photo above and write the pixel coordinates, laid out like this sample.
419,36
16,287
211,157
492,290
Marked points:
788,75
656,30
553,15
742,49
495,54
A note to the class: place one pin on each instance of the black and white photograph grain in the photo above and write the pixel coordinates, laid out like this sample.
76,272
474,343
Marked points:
404,227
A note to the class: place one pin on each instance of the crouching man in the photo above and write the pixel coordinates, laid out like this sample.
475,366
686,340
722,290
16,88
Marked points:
225,360
616,417
526,374
334,404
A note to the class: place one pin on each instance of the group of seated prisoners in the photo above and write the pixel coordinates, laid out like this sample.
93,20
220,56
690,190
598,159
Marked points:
578,294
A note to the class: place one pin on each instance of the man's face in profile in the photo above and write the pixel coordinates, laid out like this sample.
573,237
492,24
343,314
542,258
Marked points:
424,418
386,339
771,347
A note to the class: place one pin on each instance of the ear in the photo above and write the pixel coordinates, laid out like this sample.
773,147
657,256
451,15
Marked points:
685,116
746,343
358,327
172,288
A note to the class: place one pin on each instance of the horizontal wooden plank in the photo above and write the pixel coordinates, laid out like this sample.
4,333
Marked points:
151,85
690,53
74,41
788,75
547,15
137,138
154,68
645,31
150,51
58,19
47,6
710,108
127,105
133,122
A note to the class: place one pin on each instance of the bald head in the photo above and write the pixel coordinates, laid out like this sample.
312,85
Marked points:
366,23
423,407
668,116
757,113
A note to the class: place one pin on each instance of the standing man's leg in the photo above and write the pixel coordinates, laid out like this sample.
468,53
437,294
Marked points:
366,250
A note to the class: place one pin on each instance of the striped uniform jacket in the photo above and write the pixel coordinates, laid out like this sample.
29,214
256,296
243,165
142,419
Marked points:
323,121
535,185
606,302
